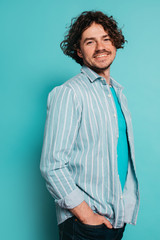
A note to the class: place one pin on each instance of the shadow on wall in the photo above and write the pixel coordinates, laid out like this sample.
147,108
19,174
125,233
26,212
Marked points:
48,211
41,202
48,217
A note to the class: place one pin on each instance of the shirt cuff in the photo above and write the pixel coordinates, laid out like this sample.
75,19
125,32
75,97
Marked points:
71,200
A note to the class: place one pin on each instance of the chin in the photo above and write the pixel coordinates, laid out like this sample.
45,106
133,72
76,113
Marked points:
101,68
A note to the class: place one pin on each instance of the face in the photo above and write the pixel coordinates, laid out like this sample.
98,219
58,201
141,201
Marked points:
96,48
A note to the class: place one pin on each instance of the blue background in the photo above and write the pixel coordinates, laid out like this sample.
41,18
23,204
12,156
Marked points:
31,64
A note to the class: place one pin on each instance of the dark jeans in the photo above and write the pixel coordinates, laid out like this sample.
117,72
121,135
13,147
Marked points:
73,229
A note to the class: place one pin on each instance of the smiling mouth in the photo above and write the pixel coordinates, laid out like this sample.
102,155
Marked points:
102,55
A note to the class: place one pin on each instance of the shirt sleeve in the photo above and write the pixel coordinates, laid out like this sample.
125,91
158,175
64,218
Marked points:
62,123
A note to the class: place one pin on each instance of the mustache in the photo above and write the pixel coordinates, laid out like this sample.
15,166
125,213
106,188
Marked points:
101,51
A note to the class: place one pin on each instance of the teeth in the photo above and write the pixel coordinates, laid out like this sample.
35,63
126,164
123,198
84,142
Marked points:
99,56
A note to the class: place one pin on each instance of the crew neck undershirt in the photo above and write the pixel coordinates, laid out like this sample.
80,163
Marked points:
122,146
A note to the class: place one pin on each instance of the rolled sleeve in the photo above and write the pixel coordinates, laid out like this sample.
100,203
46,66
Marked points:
71,200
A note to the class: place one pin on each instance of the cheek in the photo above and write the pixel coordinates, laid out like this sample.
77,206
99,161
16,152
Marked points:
89,51
114,52
88,55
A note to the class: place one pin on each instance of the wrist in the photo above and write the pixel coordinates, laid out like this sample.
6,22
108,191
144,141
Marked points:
83,212
87,217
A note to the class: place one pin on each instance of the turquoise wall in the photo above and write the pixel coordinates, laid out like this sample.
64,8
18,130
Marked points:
31,64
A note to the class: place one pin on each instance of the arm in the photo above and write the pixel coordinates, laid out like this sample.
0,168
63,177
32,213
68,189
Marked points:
62,122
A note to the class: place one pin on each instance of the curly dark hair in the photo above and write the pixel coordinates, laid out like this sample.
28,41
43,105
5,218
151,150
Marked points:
71,41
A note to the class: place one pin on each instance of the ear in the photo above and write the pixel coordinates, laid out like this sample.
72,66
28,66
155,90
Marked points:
79,53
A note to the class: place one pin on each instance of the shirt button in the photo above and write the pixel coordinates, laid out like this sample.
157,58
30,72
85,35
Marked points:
121,197
103,81
109,95
115,115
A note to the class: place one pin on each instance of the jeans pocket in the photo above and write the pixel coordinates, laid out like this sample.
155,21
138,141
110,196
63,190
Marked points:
88,232
87,226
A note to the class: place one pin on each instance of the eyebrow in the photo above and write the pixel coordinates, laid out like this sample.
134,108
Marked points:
92,38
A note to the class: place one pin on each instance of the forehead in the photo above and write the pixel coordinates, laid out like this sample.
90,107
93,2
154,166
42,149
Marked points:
95,30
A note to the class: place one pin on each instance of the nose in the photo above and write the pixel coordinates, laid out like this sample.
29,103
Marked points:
99,45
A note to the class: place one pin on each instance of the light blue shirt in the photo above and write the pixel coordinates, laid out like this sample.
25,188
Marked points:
79,155
122,145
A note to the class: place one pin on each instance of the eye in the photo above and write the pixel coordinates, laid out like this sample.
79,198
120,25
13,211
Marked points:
106,39
89,42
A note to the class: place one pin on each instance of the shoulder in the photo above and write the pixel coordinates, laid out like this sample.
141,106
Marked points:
70,87
75,82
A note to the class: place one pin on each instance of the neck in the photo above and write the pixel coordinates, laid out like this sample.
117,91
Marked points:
106,75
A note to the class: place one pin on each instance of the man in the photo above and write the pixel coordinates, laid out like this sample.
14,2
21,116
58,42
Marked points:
88,153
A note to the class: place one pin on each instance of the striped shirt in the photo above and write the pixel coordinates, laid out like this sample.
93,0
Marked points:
79,155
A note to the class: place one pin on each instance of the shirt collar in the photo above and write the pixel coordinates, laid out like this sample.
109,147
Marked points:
115,84
93,76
